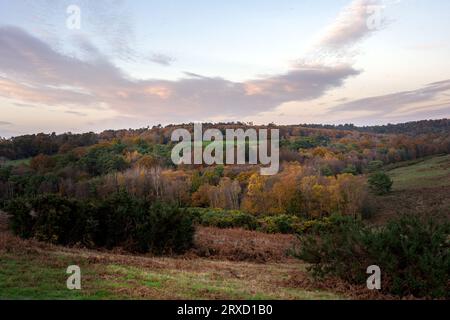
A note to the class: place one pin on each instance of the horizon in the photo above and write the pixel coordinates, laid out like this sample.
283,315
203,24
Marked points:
133,64
250,124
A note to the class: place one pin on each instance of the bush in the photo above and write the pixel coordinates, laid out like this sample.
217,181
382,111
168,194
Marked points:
119,221
375,165
380,183
48,218
412,252
228,219
21,221
115,219
224,219
281,224
59,220
166,229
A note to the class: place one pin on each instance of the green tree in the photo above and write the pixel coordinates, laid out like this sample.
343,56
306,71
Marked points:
380,183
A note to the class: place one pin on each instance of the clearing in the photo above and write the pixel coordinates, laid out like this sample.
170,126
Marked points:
429,173
420,186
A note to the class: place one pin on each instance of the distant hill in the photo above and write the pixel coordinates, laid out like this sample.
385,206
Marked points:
26,146
414,128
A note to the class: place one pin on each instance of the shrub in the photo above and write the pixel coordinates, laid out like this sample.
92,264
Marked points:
21,221
332,249
137,225
281,224
165,229
412,252
115,220
380,183
224,219
375,165
351,169
59,220
120,220
48,218
220,218
229,219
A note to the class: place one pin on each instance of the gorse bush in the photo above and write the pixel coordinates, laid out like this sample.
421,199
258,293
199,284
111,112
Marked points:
118,221
22,220
412,252
336,249
281,224
115,220
59,220
158,231
224,218
49,218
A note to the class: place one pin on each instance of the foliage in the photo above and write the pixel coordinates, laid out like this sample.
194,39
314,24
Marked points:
119,221
276,224
375,165
224,218
102,160
380,183
31,145
281,224
412,252
49,218
306,142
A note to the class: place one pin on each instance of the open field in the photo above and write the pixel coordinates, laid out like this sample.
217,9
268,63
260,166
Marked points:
421,187
430,173
32,270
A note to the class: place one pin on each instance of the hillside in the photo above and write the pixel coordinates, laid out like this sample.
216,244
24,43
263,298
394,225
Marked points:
428,173
141,227
32,270
421,186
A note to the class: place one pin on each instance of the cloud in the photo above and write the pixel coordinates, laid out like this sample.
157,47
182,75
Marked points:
432,99
80,114
5,123
161,59
354,23
108,22
336,44
23,105
34,73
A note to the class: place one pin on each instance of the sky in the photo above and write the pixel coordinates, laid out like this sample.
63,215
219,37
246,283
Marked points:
84,65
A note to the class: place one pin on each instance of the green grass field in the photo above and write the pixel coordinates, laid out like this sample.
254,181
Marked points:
433,172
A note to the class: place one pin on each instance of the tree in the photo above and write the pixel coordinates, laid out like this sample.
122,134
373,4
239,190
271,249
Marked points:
380,183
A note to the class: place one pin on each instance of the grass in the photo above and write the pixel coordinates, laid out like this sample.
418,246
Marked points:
420,187
35,276
29,277
15,163
33,270
434,172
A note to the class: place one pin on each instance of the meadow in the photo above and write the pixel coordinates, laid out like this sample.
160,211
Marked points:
429,173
